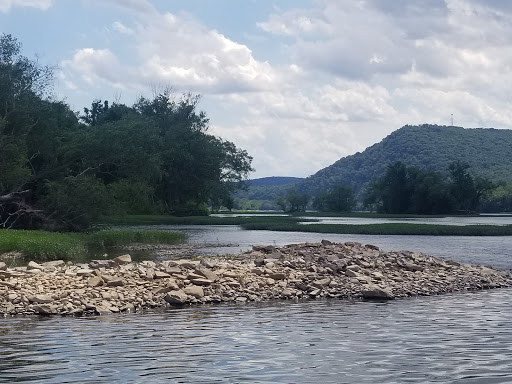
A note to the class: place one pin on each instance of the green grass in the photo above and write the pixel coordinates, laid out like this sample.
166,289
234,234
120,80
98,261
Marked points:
41,245
387,229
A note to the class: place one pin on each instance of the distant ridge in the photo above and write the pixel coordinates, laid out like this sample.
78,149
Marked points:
488,151
272,181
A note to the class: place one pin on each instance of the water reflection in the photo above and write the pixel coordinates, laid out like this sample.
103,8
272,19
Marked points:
459,338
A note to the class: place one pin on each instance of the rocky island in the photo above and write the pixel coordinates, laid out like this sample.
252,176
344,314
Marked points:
293,272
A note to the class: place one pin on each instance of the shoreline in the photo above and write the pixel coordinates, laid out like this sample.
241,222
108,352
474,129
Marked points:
304,271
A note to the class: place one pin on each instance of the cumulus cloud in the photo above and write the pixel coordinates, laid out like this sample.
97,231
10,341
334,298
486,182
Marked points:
182,52
6,5
351,72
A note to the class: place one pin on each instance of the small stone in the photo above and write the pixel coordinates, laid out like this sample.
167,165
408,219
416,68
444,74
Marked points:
45,309
33,265
376,292
176,297
115,283
95,281
96,264
201,281
207,263
321,283
84,272
123,259
3,266
208,274
277,275
161,275
41,299
351,273
195,291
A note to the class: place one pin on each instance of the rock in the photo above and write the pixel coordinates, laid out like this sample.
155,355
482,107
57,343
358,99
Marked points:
33,265
53,264
189,264
150,274
84,272
96,264
321,283
161,275
264,248
260,262
412,267
351,273
378,293
373,247
207,273
45,309
176,297
326,242
95,281
116,282
173,270
277,275
123,259
40,299
207,263
201,281
195,291
102,310
3,266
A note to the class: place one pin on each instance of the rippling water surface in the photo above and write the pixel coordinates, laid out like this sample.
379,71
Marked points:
460,338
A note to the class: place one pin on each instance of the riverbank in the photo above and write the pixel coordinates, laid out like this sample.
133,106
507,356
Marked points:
293,272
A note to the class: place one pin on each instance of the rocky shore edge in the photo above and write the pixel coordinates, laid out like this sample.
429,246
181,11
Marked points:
299,271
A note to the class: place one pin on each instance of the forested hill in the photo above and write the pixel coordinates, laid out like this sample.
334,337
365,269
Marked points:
429,147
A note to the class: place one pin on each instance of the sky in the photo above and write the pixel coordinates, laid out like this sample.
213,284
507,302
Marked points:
299,84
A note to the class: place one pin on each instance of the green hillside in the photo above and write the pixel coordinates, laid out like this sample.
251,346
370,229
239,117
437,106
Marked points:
427,147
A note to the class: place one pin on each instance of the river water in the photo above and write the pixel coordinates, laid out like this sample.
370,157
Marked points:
459,338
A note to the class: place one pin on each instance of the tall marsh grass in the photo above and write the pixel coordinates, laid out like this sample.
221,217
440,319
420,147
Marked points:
41,245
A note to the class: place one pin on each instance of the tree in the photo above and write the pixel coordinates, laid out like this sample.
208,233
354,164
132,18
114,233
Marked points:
293,201
392,192
36,137
467,191
339,199
60,171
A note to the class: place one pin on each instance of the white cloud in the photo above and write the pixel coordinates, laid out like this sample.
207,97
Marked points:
121,28
351,72
6,5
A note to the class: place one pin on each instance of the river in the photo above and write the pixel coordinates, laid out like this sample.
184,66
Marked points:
459,338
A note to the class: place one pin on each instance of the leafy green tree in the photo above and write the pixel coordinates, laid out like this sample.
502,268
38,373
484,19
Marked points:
293,201
467,191
339,199
60,171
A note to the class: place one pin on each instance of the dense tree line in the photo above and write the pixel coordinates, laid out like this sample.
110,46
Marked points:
60,169
339,199
405,189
